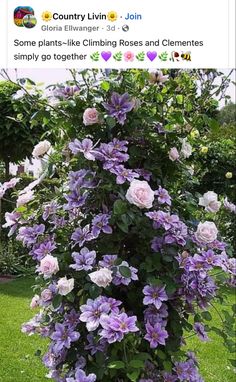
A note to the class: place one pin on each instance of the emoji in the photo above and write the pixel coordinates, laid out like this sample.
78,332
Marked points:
129,56
47,16
20,13
151,55
163,56
95,56
186,56
112,16
140,56
106,55
117,56
174,56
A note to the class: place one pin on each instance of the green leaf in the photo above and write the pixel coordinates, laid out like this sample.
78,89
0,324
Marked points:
133,376
119,207
56,302
179,99
136,364
125,271
160,354
116,365
124,227
111,122
105,86
207,316
167,366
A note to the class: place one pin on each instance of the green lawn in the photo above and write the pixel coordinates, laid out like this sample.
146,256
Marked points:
19,364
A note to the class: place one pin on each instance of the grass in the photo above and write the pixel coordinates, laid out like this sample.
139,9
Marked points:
18,362
17,359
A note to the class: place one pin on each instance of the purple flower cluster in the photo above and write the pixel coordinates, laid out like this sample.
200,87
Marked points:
80,376
103,313
176,231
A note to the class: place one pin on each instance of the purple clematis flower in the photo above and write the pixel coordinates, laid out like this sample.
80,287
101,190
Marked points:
85,146
80,376
43,249
156,335
84,260
200,330
154,295
116,326
63,336
112,302
12,220
92,312
119,279
81,235
95,345
123,174
100,224
118,106
108,261
75,200
163,196
29,235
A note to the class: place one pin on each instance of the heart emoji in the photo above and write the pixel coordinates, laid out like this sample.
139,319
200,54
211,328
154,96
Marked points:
151,55
106,55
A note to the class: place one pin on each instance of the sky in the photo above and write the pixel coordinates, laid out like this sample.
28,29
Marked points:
52,76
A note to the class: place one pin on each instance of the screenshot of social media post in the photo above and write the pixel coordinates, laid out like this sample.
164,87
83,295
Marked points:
117,191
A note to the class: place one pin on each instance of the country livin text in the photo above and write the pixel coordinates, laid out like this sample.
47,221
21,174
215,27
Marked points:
106,43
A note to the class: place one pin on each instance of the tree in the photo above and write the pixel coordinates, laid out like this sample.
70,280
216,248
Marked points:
17,134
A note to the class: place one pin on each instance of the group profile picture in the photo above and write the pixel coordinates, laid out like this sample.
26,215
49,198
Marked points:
24,17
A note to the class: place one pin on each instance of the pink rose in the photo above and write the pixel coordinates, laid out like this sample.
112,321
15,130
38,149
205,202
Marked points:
46,295
90,116
206,232
35,302
48,266
102,278
140,194
65,286
173,154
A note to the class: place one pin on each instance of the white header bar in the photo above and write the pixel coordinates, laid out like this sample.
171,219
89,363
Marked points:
122,34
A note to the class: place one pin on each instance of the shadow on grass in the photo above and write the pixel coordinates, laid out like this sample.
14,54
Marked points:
21,288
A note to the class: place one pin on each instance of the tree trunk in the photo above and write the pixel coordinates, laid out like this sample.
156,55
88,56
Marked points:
7,169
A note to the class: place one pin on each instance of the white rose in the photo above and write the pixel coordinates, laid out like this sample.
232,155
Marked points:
140,194
25,198
186,149
65,285
48,266
41,148
35,302
173,154
210,201
102,278
206,232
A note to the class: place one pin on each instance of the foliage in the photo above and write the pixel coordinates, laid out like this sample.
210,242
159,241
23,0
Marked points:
16,123
158,252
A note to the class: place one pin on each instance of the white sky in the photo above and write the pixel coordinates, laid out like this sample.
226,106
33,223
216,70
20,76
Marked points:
52,76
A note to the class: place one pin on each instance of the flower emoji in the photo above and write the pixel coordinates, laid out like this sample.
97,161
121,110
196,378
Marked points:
112,16
47,16
129,56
